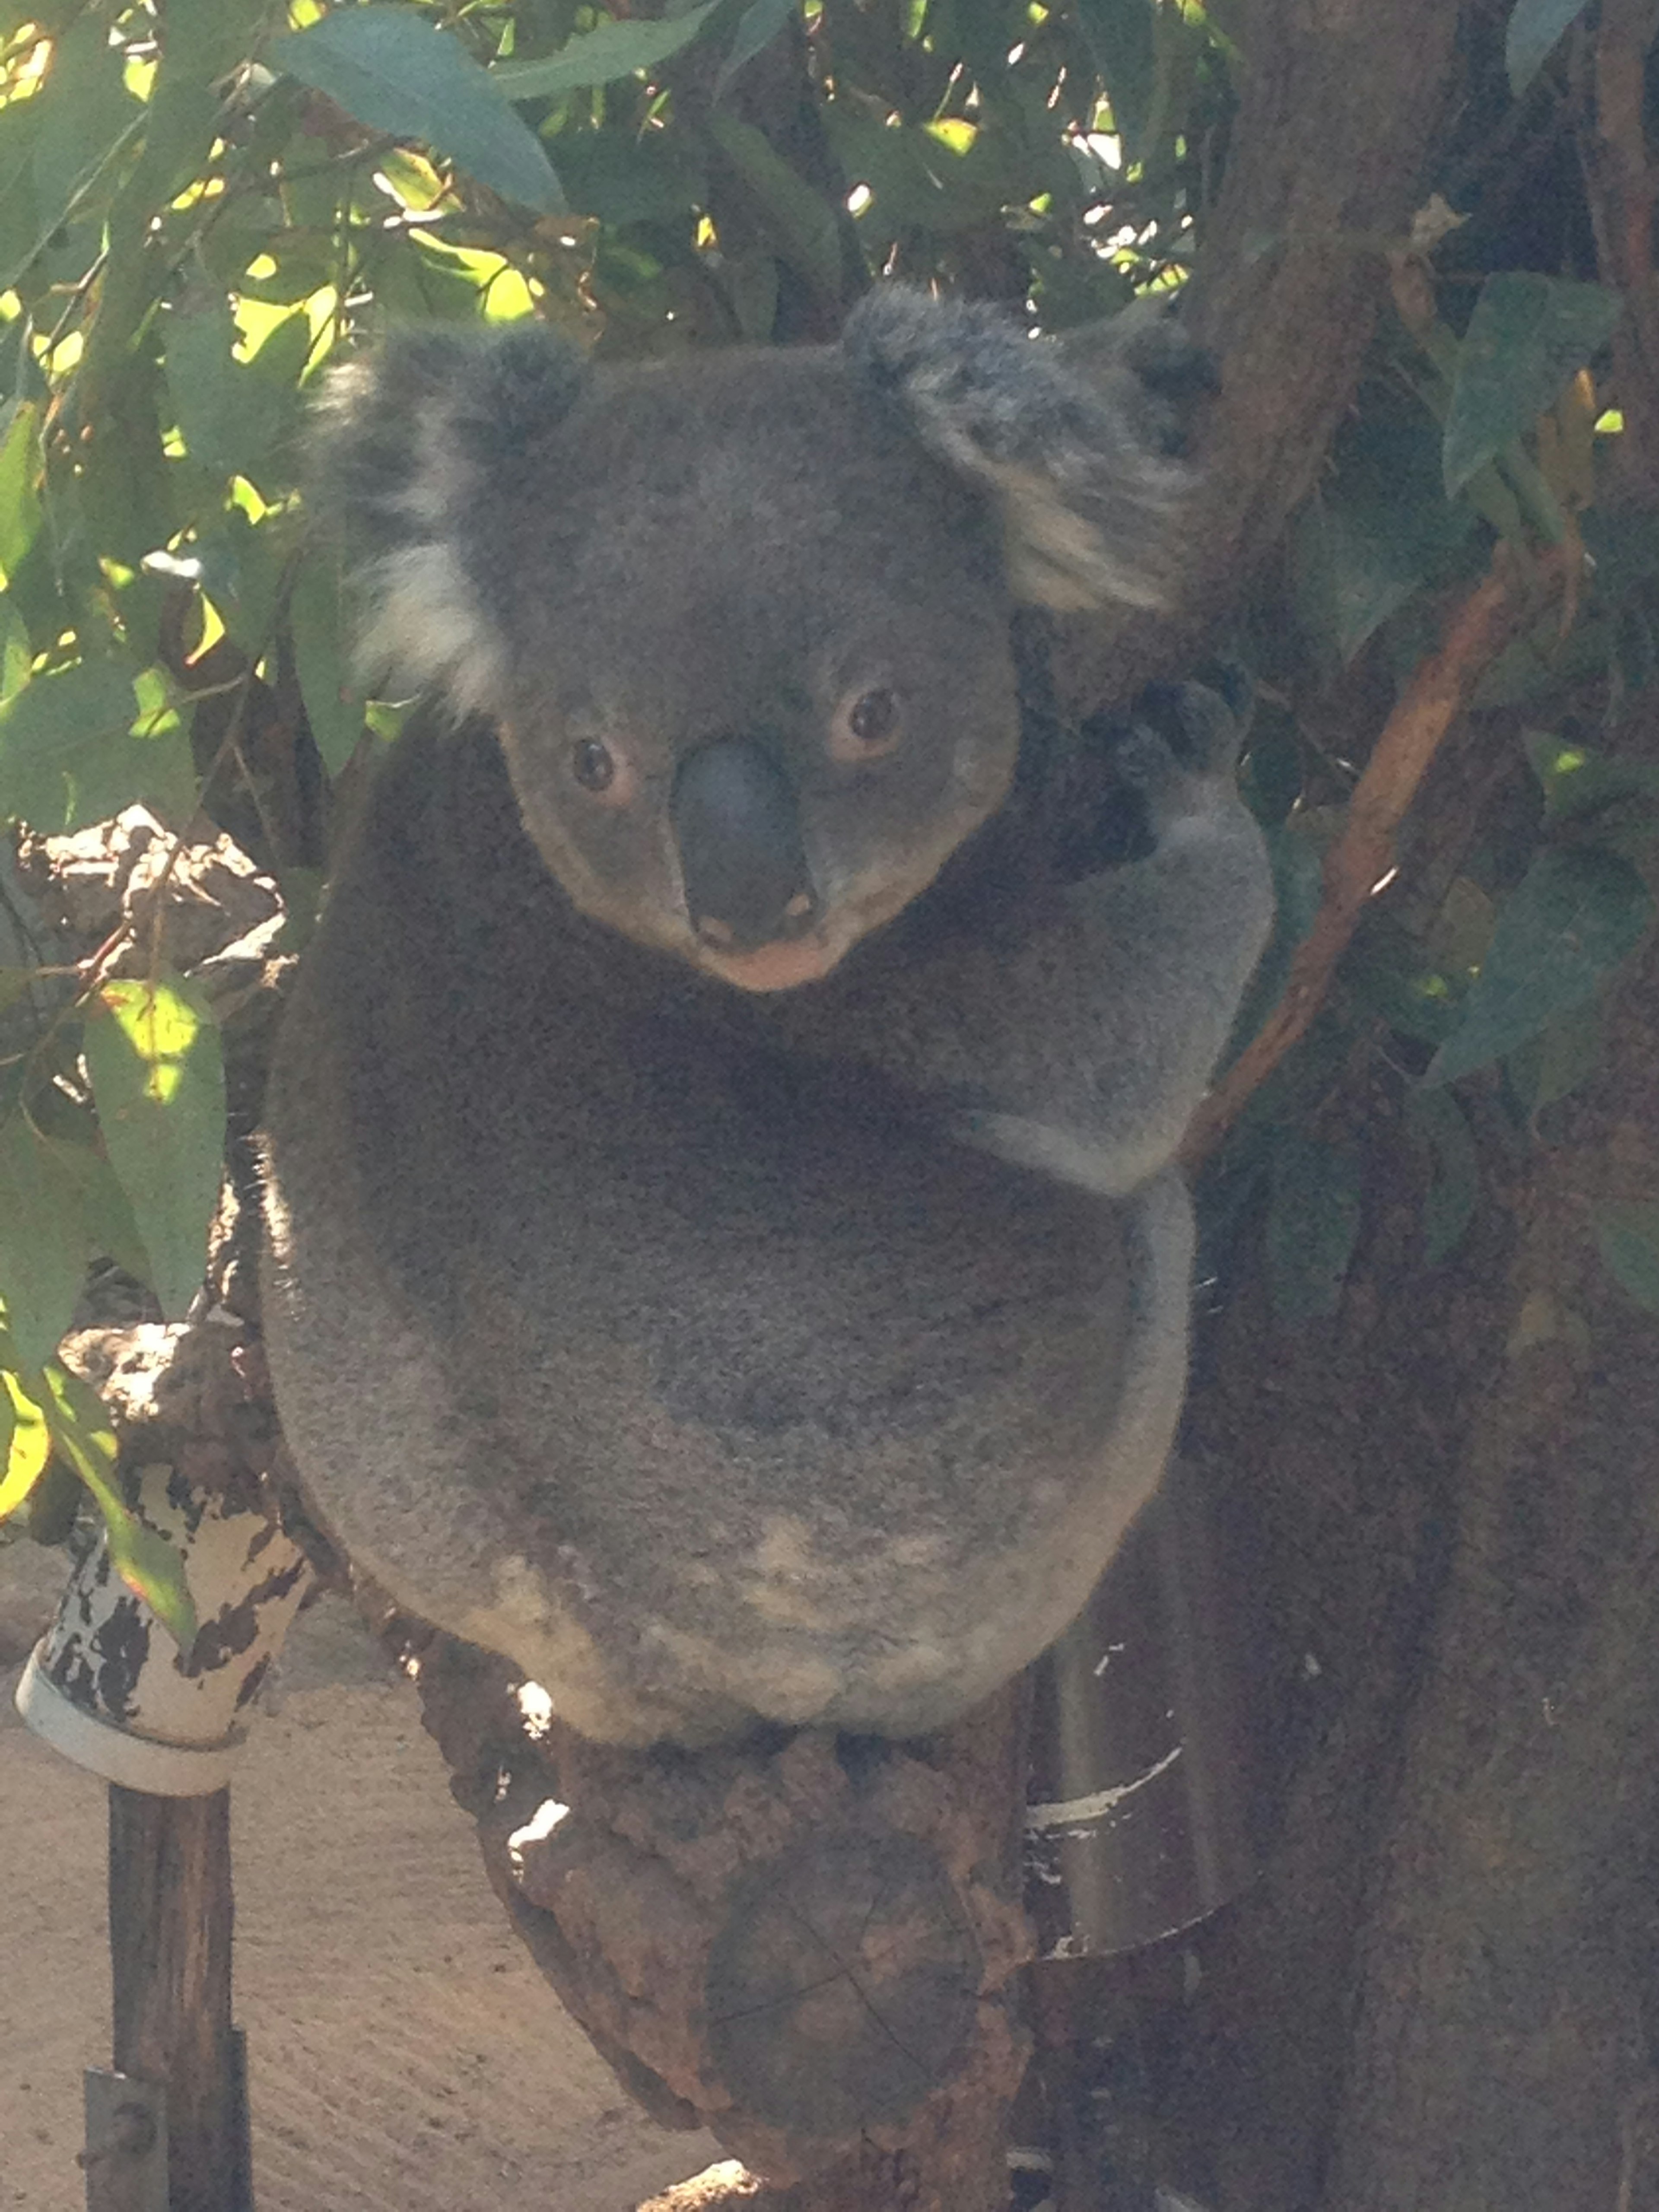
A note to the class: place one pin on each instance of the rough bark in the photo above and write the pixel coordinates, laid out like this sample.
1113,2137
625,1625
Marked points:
807,1946
1341,103
1501,2054
170,1916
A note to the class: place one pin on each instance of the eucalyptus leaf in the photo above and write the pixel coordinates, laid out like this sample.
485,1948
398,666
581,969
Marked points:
1313,1224
1577,780
804,225
395,71
152,1053
24,1443
74,749
322,662
1535,26
147,1562
45,1236
759,24
1387,523
1440,1125
1528,336
601,56
1560,933
20,473
86,116
1122,36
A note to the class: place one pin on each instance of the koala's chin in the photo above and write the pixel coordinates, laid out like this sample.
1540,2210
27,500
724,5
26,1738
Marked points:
783,965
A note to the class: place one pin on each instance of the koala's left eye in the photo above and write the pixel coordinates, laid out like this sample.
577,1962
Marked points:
867,726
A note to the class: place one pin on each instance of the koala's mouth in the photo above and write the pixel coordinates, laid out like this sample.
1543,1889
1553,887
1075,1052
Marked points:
782,966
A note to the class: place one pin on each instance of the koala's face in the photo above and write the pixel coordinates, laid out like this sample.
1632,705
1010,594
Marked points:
742,621
756,683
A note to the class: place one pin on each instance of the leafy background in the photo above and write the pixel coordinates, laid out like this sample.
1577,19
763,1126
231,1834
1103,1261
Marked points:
205,203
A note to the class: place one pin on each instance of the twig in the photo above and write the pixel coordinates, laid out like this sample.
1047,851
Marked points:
1362,857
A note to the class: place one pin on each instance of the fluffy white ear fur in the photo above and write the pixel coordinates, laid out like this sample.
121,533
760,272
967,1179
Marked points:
409,446
1091,512
422,626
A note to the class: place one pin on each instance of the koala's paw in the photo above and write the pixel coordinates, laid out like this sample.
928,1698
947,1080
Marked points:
1179,750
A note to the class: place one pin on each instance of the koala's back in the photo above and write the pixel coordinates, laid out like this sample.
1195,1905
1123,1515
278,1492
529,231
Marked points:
704,1380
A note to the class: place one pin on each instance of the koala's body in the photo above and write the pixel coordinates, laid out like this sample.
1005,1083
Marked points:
724,1248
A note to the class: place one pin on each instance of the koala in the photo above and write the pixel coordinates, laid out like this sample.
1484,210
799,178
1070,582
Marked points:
724,1252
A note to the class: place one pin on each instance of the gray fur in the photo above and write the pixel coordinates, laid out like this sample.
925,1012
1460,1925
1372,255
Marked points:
721,1353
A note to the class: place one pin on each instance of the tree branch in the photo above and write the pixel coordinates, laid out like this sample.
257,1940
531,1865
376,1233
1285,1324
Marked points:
1440,688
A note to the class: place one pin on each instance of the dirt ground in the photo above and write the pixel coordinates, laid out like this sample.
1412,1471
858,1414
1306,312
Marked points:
404,2054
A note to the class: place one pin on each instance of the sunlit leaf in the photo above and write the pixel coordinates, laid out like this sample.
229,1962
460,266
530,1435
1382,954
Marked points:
600,56
147,1562
152,1053
229,415
1534,28
1627,1237
20,471
24,1443
397,72
1313,1224
1560,933
1527,337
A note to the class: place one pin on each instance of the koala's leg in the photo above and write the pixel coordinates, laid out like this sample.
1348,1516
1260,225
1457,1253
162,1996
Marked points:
1077,1036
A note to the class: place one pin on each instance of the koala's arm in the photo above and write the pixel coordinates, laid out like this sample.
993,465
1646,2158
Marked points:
1077,1033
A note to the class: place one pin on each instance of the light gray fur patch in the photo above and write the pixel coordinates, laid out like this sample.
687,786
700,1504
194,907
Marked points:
422,624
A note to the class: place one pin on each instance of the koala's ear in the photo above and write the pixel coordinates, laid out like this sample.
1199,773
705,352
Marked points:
410,448
1092,506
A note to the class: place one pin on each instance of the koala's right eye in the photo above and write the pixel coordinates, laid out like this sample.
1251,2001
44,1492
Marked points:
603,771
592,765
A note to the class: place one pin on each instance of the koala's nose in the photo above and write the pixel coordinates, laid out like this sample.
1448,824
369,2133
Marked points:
735,821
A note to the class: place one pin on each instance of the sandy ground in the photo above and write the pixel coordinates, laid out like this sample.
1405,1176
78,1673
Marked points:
404,2054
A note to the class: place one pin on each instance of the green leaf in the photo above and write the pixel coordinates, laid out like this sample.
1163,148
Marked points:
24,1443
230,414
333,708
20,474
1527,337
601,56
87,115
152,1053
1567,1052
1313,1224
804,224
1122,35
1627,1237
1386,525
1560,933
1577,780
147,1562
45,1236
74,749
1439,1124
1535,27
394,71
760,22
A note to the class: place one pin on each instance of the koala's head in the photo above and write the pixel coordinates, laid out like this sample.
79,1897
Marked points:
741,619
